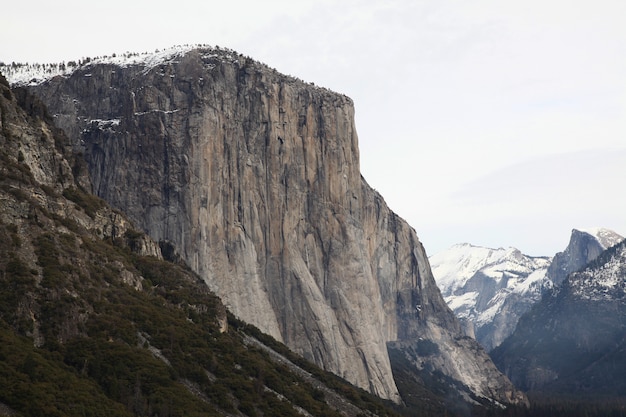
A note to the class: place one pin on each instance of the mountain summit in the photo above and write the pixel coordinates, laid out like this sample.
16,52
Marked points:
253,177
489,289
584,246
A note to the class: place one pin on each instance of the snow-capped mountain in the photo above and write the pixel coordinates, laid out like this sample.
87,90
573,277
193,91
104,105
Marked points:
489,289
604,279
572,341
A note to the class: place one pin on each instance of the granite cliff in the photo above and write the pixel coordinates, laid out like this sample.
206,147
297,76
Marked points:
253,177
584,246
94,322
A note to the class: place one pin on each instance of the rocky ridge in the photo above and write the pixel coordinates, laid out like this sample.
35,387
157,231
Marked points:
254,178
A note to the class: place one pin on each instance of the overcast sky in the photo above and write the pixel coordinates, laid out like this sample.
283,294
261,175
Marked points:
498,123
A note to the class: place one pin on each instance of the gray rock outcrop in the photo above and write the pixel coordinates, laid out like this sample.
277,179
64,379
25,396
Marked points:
254,179
583,247
45,159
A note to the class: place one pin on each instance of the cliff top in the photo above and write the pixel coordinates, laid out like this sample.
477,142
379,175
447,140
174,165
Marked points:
23,74
36,73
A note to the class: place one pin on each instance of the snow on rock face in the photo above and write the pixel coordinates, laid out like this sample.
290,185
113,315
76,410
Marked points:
605,281
454,267
605,237
488,288
574,334
34,74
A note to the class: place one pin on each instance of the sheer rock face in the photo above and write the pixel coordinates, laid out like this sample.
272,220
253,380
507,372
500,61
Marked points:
254,178
583,247
48,170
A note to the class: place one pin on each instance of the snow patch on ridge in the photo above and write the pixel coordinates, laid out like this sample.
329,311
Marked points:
456,302
605,237
34,74
603,282
454,267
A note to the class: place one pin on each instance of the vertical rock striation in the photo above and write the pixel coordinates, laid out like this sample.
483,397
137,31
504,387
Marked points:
254,178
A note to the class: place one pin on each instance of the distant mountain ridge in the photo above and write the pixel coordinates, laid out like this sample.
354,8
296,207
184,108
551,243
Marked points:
572,343
489,289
